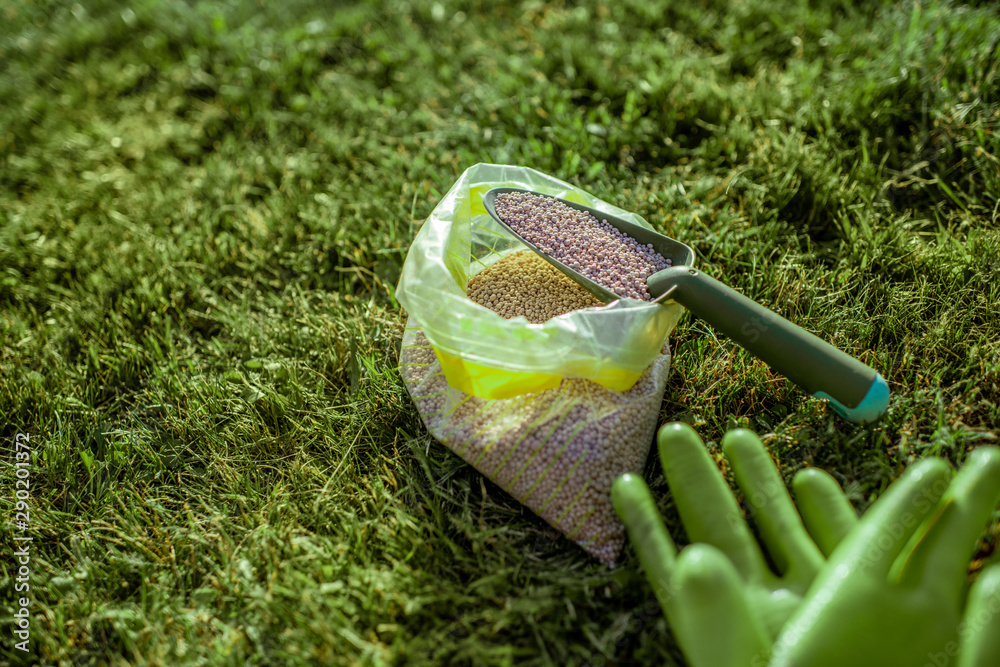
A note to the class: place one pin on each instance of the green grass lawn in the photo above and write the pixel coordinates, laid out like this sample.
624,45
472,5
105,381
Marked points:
204,208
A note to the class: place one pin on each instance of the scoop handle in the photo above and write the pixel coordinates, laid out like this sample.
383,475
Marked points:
855,391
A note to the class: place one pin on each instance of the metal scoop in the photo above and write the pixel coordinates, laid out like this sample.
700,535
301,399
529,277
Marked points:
855,391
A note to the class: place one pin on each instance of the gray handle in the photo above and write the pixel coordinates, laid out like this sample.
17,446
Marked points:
855,390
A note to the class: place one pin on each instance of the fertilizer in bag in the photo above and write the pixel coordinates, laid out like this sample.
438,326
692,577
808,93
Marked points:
483,354
556,451
520,371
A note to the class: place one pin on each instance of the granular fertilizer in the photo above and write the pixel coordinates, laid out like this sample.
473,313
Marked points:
580,241
523,284
556,451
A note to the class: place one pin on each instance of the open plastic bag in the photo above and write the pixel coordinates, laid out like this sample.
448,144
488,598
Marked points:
551,412
487,356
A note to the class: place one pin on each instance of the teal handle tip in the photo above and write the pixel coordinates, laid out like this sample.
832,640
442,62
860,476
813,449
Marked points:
871,407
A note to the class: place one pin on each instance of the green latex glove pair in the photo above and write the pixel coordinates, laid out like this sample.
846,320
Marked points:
886,590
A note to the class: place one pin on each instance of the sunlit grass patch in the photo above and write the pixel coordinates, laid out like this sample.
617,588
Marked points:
204,209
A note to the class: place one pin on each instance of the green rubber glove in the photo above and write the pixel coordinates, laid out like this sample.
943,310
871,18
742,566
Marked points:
724,603
894,591
979,632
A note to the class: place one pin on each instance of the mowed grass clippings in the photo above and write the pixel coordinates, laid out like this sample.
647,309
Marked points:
205,207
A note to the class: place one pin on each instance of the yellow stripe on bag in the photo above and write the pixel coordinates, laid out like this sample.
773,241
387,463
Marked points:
496,383
492,383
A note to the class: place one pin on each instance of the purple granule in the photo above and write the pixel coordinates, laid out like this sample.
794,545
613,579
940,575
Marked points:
583,243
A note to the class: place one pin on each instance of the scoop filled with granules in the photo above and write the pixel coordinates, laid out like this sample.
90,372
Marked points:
579,240
615,259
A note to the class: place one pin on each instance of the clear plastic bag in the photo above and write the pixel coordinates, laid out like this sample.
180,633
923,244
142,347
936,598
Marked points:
487,356
557,451
551,412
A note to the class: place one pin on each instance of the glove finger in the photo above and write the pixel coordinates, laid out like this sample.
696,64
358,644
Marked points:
796,556
635,506
845,609
884,530
825,510
718,627
938,554
706,504
979,633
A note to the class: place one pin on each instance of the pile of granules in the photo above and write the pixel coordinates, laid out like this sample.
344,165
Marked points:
556,451
524,284
587,245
